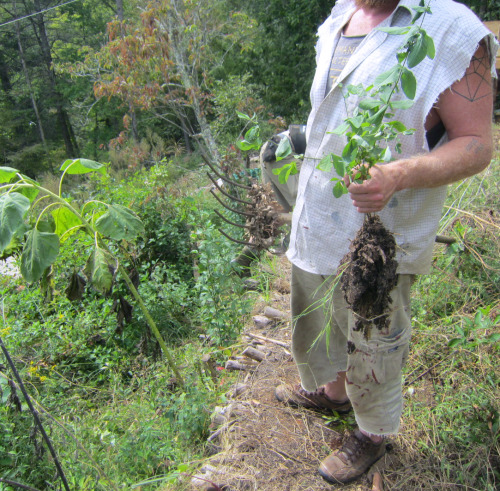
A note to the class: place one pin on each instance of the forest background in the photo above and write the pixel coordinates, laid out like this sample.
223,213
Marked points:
152,89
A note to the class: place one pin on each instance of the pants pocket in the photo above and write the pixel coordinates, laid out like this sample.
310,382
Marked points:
376,367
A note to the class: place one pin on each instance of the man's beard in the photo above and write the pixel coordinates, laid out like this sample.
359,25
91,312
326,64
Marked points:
374,3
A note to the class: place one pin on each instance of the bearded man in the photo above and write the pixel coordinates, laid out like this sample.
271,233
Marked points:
451,116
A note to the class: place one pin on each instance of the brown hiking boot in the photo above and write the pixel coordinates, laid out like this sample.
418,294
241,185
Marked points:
352,459
318,400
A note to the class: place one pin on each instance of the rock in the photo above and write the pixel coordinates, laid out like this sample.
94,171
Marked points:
261,321
274,313
237,389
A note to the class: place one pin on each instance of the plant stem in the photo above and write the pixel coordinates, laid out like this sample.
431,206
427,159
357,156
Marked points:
152,325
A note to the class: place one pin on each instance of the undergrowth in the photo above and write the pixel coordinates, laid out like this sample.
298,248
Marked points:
110,404
451,422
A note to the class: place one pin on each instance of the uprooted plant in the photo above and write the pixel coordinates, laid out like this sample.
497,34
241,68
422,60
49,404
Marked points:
40,219
369,268
367,273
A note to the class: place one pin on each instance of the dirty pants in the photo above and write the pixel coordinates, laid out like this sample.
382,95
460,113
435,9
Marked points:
322,328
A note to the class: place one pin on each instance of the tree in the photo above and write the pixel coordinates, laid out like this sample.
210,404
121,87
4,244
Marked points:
165,59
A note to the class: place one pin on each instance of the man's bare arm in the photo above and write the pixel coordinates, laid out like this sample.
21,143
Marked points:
466,112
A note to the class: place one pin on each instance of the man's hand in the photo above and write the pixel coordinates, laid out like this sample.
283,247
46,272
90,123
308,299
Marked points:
373,194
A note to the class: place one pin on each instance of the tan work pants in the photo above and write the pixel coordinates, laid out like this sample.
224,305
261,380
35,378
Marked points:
322,328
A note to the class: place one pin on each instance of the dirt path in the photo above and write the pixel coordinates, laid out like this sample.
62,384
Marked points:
261,444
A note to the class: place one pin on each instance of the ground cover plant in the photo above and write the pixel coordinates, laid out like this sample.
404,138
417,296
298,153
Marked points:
114,409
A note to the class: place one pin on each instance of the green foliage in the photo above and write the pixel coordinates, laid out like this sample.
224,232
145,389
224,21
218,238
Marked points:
366,131
451,409
281,61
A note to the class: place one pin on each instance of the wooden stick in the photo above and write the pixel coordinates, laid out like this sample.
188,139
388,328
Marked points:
269,340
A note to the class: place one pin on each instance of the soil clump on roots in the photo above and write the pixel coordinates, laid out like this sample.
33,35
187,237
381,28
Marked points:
369,275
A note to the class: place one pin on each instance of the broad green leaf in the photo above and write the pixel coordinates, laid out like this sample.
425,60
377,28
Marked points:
389,77
65,220
341,129
377,118
40,251
404,104
284,149
340,166
408,83
494,338
369,104
119,223
82,166
361,142
418,51
245,146
244,116
7,173
100,269
398,126
253,134
286,171
387,155
339,189
13,207
326,163
356,122
394,30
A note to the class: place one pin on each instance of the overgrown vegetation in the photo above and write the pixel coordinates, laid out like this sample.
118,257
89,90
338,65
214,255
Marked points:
92,366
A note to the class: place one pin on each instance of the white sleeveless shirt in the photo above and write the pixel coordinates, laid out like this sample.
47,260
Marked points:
322,225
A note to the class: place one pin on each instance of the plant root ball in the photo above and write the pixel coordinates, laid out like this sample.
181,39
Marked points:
369,275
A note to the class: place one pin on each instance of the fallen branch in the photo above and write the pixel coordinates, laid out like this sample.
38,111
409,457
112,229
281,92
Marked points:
269,340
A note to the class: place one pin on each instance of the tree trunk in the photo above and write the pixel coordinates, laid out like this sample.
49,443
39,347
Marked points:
65,124
28,83
119,10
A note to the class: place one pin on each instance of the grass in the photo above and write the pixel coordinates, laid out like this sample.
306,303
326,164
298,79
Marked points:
450,434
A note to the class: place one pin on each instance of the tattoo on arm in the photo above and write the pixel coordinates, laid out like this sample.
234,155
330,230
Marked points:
476,83
474,146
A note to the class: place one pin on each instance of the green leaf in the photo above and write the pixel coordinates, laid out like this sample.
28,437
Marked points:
340,166
119,223
326,163
387,155
13,208
244,116
455,342
341,129
40,251
339,189
493,338
394,30
100,269
431,49
369,104
418,51
82,166
7,173
408,83
245,146
398,126
284,149
389,77
404,104
65,220
286,171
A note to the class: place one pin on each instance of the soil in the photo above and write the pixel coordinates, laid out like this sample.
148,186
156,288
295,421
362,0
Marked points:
370,275
264,225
